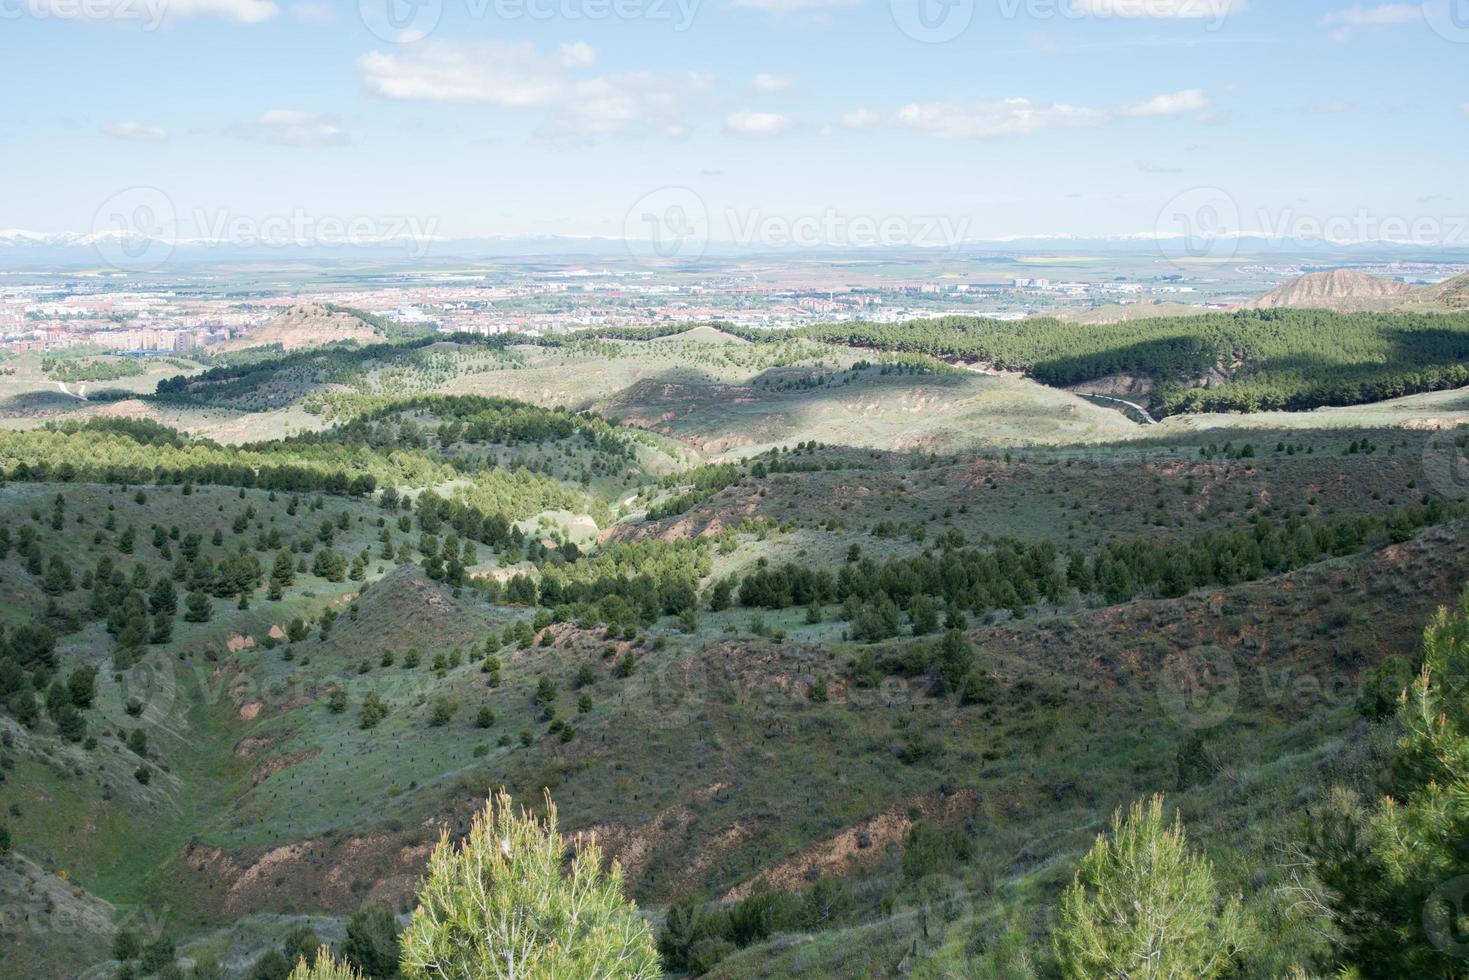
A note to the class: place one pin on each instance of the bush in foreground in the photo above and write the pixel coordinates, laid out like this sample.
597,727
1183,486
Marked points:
1142,907
501,906
325,968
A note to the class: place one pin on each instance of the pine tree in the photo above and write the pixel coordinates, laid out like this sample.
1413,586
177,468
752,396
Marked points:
1143,908
1394,874
198,608
164,597
283,573
371,945
506,903
325,968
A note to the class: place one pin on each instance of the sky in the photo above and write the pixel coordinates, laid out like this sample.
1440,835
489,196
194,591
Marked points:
838,121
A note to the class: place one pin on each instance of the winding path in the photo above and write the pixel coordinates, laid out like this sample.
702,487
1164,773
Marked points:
1147,418
1146,415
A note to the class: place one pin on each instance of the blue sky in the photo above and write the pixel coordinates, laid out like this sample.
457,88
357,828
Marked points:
530,117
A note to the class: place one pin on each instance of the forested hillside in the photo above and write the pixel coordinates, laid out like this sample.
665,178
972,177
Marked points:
246,685
1247,361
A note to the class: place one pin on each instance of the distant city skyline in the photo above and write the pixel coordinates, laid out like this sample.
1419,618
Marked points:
859,123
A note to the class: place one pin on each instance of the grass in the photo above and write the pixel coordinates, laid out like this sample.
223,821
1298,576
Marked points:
710,765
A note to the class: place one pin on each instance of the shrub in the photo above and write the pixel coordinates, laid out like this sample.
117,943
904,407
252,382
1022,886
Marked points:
272,965
371,945
443,711
1393,873
506,903
156,955
374,710
325,968
125,945
1143,906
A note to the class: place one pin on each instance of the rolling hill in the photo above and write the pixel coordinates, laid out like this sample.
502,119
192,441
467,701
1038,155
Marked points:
1344,290
311,325
1350,291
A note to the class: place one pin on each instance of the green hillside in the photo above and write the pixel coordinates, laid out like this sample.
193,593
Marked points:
845,658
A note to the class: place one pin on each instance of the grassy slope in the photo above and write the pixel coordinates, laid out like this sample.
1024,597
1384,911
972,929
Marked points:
270,803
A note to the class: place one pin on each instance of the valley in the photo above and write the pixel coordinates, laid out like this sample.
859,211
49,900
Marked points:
766,615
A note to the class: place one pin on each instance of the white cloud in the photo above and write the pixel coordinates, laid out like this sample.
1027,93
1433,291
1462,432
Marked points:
624,103
1189,100
757,124
290,127
1385,13
989,120
1335,107
772,83
1464,108
1015,117
518,75
313,13
578,54
512,74
152,13
793,6
1347,22
1159,9
135,131
858,118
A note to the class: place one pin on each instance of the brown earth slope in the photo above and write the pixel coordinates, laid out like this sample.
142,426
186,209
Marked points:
1349,291
1342,289
310,325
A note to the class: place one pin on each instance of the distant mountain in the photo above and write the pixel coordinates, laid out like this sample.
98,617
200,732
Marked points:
41,250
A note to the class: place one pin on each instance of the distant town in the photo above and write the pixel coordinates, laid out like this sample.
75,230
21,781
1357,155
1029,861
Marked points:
132,315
